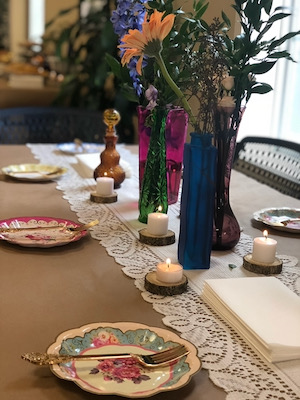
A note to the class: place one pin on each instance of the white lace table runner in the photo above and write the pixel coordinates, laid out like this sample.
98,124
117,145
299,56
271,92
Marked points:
232,364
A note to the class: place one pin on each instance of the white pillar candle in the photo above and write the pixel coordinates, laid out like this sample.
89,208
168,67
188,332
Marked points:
264,249
157,224
105,186
168,272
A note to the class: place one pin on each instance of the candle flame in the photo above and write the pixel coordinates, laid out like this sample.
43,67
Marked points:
105,174
265,233
159,208
168,261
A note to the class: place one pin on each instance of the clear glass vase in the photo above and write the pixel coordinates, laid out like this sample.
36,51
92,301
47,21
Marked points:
226,229
197,202
175,134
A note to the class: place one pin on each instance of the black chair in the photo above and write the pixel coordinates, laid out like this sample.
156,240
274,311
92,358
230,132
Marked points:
274,162
50,125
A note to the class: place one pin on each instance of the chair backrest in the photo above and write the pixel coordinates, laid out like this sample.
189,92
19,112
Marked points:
274,162
50,125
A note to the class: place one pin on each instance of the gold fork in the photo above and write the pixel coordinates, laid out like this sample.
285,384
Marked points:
79,228
158,359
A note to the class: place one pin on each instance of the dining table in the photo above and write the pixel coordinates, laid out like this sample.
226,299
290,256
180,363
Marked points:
100,279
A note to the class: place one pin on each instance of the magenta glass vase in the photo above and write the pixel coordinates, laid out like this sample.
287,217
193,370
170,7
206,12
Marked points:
226,229
175,134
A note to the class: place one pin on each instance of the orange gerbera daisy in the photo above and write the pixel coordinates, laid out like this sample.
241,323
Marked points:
137,43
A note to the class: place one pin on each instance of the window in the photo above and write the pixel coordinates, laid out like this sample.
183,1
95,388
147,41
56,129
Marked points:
36,20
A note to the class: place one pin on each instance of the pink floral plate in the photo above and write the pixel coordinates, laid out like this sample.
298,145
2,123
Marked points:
122,377
283,219
39,231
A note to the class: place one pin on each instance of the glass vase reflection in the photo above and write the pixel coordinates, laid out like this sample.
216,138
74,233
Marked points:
197,202
153,192
175,134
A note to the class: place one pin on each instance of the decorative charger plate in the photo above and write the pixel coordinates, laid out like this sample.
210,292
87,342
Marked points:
284,219
39,231
73,148
122,377
34,172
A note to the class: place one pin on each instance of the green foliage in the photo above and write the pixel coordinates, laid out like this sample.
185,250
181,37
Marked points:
245,56
3,24
88,81
200,54
250,53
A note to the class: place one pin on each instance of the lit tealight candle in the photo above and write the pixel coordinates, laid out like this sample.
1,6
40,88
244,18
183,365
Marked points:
157,224
105,185
264,249
169,273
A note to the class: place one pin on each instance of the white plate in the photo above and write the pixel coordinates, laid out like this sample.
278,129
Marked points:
34,172
116,376
73,148
284,219
39,236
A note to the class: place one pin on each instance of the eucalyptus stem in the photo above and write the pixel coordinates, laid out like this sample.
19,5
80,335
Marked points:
175,88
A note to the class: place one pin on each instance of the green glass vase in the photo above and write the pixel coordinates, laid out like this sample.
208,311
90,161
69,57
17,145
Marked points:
154,192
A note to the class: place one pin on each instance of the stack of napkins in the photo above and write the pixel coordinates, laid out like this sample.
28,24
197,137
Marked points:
263,310
88,163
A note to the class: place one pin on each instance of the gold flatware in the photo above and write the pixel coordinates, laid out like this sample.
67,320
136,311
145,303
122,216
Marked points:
79,228
158,359
83,227
285,222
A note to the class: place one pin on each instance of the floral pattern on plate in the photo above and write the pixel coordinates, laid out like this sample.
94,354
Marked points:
284,219
123,377
34,172
119,370
39,231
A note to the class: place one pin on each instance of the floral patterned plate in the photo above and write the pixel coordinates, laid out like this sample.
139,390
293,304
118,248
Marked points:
284,219
39,231
122,377
34,172
73,148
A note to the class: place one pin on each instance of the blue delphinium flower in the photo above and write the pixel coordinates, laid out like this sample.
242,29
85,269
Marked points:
129,14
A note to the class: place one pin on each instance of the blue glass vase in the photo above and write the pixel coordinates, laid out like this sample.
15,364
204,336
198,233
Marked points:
197,202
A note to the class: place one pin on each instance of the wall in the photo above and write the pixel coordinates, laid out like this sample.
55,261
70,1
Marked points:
52,7
214,10
18,19
17,24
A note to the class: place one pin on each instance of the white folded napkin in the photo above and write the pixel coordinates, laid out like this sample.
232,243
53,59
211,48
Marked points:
88,163
263,310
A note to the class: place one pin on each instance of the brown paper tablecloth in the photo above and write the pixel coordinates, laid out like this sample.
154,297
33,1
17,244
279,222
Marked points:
44,292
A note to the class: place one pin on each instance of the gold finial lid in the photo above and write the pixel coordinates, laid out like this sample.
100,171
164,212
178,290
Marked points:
111,118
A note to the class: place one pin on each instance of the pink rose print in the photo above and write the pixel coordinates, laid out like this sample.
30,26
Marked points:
104,338
39,237
119,370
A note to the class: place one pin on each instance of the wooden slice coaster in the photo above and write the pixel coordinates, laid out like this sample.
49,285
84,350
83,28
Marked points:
97,198
147,238
262,268
153,285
